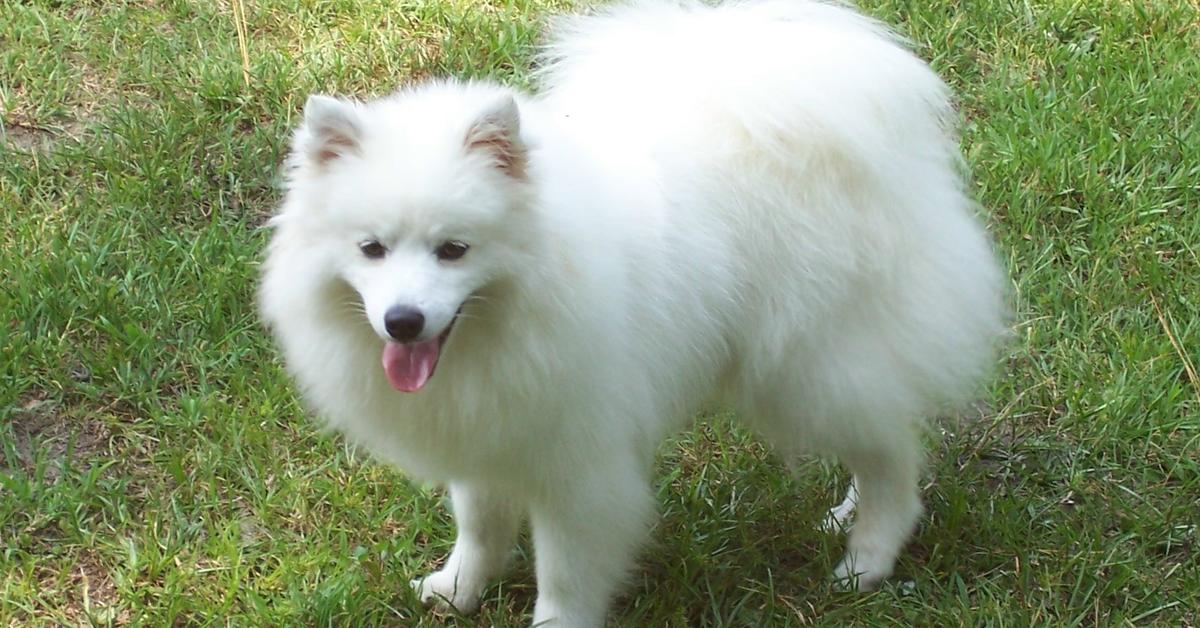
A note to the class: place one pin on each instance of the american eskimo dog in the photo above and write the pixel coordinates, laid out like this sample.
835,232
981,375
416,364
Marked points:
520,296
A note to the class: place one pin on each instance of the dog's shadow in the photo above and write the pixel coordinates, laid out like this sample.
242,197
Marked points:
737,542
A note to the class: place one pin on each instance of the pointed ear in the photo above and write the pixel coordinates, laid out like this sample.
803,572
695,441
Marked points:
331,130
497,132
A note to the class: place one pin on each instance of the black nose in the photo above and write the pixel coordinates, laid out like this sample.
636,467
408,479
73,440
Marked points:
403,322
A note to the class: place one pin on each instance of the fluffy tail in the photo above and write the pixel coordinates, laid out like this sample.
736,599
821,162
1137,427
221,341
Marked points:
775,70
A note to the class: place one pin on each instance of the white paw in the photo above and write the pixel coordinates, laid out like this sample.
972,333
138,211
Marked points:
444,590
838,519
861,572
839,516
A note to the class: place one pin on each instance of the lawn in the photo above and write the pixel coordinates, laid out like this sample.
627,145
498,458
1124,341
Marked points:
157,469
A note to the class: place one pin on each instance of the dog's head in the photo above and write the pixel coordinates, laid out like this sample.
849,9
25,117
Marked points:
411,201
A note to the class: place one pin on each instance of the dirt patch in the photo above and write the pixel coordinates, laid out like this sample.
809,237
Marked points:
97,595
86,594
41,430
31,138
29,128
27,138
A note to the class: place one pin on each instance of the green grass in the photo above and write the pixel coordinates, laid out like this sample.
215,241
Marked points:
156,468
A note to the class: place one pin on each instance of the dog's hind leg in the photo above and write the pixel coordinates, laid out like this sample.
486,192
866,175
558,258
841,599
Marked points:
487,531
870,434
886,478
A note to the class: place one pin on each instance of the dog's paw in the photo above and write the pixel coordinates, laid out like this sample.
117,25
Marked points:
840,516
838,519
443,590
861,572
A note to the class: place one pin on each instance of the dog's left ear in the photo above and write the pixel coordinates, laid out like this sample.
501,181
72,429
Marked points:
497,132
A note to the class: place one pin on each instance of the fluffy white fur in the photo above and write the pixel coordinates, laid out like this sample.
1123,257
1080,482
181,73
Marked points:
759,204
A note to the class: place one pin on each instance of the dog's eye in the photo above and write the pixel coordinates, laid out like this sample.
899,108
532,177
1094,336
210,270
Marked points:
372,249
451,250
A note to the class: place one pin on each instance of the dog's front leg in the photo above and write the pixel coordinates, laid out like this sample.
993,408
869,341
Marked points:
586,533
487,530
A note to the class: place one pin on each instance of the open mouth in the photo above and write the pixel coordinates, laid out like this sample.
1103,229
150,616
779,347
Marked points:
409,365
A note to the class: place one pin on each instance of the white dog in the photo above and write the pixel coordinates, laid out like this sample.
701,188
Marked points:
760,204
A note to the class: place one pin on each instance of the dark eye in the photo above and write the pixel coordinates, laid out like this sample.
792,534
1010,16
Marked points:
372,249
451,250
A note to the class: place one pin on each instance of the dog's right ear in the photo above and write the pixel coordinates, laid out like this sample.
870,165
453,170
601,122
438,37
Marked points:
331,130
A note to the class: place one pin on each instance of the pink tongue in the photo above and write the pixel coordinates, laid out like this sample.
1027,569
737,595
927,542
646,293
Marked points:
408,366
